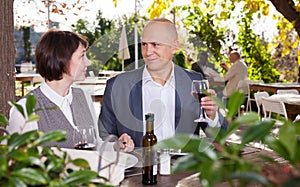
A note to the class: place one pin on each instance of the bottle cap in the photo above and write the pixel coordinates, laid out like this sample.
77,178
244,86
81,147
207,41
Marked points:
149,117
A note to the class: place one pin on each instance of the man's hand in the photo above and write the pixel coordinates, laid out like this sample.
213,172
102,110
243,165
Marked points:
209,105
126,143
224,65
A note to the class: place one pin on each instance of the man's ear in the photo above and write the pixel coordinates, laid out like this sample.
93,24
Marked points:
175,46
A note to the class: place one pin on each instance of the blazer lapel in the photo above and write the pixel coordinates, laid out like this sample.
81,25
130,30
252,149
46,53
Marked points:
135,102
136,105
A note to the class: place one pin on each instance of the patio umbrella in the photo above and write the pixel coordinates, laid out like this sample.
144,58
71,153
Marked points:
123,47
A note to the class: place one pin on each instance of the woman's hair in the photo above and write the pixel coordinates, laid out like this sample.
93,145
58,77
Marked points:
54,52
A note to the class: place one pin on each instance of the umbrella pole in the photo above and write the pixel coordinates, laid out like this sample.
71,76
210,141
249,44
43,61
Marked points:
136,36
136,46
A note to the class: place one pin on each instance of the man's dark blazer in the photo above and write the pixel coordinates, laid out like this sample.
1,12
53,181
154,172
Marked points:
122,110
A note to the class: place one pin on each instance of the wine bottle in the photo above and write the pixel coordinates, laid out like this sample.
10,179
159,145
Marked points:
149,155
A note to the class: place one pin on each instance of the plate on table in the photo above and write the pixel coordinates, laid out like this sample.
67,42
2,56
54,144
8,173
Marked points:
125,159
131,160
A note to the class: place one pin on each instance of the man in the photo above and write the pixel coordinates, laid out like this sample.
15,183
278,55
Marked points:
160,87
236,74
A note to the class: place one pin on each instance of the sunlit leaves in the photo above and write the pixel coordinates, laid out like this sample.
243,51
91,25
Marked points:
295,44
284,37
157,7
115,2
196,2
223,15
265,9
299,58
285,51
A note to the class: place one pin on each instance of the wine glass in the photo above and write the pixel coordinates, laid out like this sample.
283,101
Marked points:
84,138
199,88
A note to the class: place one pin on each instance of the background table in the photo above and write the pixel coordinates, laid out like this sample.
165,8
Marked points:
273,87
27,77
92,81
96,91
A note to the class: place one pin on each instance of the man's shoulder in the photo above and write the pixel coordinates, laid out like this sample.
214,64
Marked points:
191,73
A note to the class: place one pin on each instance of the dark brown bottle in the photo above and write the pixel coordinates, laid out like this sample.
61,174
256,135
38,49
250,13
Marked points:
149,155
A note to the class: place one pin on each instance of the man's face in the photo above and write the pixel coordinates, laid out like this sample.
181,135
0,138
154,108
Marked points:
233,57
158,45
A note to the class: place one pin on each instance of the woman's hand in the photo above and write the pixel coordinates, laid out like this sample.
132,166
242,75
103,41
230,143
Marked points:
209,105
126,143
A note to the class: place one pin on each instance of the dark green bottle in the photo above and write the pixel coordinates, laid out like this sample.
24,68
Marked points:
149,155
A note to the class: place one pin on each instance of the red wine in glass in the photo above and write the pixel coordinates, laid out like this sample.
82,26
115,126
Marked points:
84,139
83,146
199,96
199,88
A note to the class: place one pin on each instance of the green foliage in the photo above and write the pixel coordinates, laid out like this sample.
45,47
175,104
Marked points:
103,36
256,54
26,43
287,144
25,160
227,163
180,59
82,27
103,41
206,35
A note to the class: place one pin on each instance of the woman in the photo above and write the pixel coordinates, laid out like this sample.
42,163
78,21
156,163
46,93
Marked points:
61,60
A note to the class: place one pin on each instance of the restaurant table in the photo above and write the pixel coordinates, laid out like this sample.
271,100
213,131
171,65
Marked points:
26,77
133,176
93,81
96,91
273,87
291,102
108,73
162,180
189,178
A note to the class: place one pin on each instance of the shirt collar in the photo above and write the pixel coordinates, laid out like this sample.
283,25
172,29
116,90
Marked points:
147,77
54,97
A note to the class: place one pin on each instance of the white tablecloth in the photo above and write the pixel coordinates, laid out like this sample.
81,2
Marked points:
286,98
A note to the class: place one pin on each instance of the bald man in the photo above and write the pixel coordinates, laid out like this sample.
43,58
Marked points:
236,73
159,87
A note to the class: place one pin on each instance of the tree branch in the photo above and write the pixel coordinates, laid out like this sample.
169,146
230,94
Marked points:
286,8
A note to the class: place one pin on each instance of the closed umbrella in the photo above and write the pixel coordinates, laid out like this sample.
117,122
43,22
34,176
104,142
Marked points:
123,47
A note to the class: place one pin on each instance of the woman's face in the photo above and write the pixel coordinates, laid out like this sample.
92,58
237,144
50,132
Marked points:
78,64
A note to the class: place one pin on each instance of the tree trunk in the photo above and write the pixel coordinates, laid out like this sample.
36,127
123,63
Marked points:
286,8
7,57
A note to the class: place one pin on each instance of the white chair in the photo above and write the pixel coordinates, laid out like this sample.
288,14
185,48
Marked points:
270,106
289,91
249,98
258,96
92,74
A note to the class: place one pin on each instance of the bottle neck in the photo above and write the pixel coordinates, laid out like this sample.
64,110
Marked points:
149,127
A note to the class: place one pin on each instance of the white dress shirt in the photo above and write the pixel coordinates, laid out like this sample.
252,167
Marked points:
160,100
